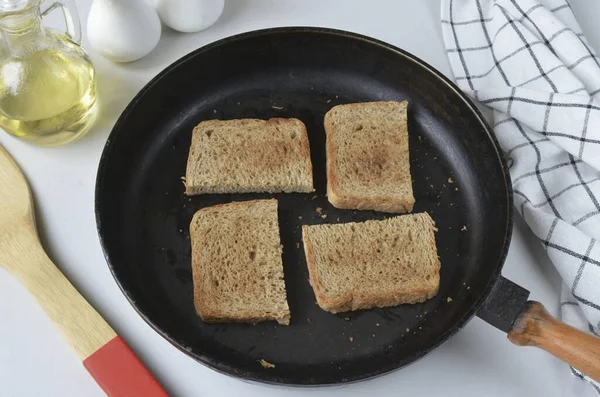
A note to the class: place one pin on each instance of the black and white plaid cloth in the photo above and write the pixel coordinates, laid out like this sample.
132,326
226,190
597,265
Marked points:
529,62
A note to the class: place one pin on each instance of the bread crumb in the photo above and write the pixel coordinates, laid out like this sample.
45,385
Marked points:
468,287
180,230
347,318
407,329
314,197
463,228
338,219
277,107
329,101
297,245
456,189
337,96
431,186
215,111
300,217
308,319
450,180
449,300
324,216
319,210
266,364
377,324
238,103
351,339
419,136
373,335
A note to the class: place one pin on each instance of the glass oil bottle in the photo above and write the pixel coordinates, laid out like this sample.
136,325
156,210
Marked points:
47,81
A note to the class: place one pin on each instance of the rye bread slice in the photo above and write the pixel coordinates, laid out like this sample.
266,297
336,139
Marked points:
249,156
368,158
236,263
371,264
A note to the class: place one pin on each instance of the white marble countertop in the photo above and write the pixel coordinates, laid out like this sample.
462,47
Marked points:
36,361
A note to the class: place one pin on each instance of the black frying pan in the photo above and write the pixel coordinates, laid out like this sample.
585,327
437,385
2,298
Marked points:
459,177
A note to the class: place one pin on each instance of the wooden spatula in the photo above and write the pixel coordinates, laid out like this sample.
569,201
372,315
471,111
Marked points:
104,354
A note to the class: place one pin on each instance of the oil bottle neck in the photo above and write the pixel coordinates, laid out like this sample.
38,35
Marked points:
22,30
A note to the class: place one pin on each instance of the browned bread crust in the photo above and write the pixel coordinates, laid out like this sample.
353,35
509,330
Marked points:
236,263
249,156
371,264
368,158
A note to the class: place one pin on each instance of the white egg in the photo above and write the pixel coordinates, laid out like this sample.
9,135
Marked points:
189,15
123,30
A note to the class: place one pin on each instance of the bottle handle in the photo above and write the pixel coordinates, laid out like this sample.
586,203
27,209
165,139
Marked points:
70,14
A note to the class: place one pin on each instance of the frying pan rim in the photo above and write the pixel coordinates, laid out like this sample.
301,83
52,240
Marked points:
265,376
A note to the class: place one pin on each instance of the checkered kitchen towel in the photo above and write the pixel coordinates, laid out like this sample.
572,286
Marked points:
530,63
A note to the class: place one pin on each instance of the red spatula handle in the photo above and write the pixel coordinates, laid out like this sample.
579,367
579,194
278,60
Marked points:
119,372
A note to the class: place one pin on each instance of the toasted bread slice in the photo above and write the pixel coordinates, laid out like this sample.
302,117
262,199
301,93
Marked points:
236,263
249,156
381,263
367,157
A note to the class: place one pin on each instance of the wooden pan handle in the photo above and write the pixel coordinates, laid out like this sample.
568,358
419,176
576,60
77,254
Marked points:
534,326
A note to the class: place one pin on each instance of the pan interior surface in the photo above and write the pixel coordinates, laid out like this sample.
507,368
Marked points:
143,215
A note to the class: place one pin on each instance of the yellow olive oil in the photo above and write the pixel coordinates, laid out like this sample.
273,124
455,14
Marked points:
48,97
